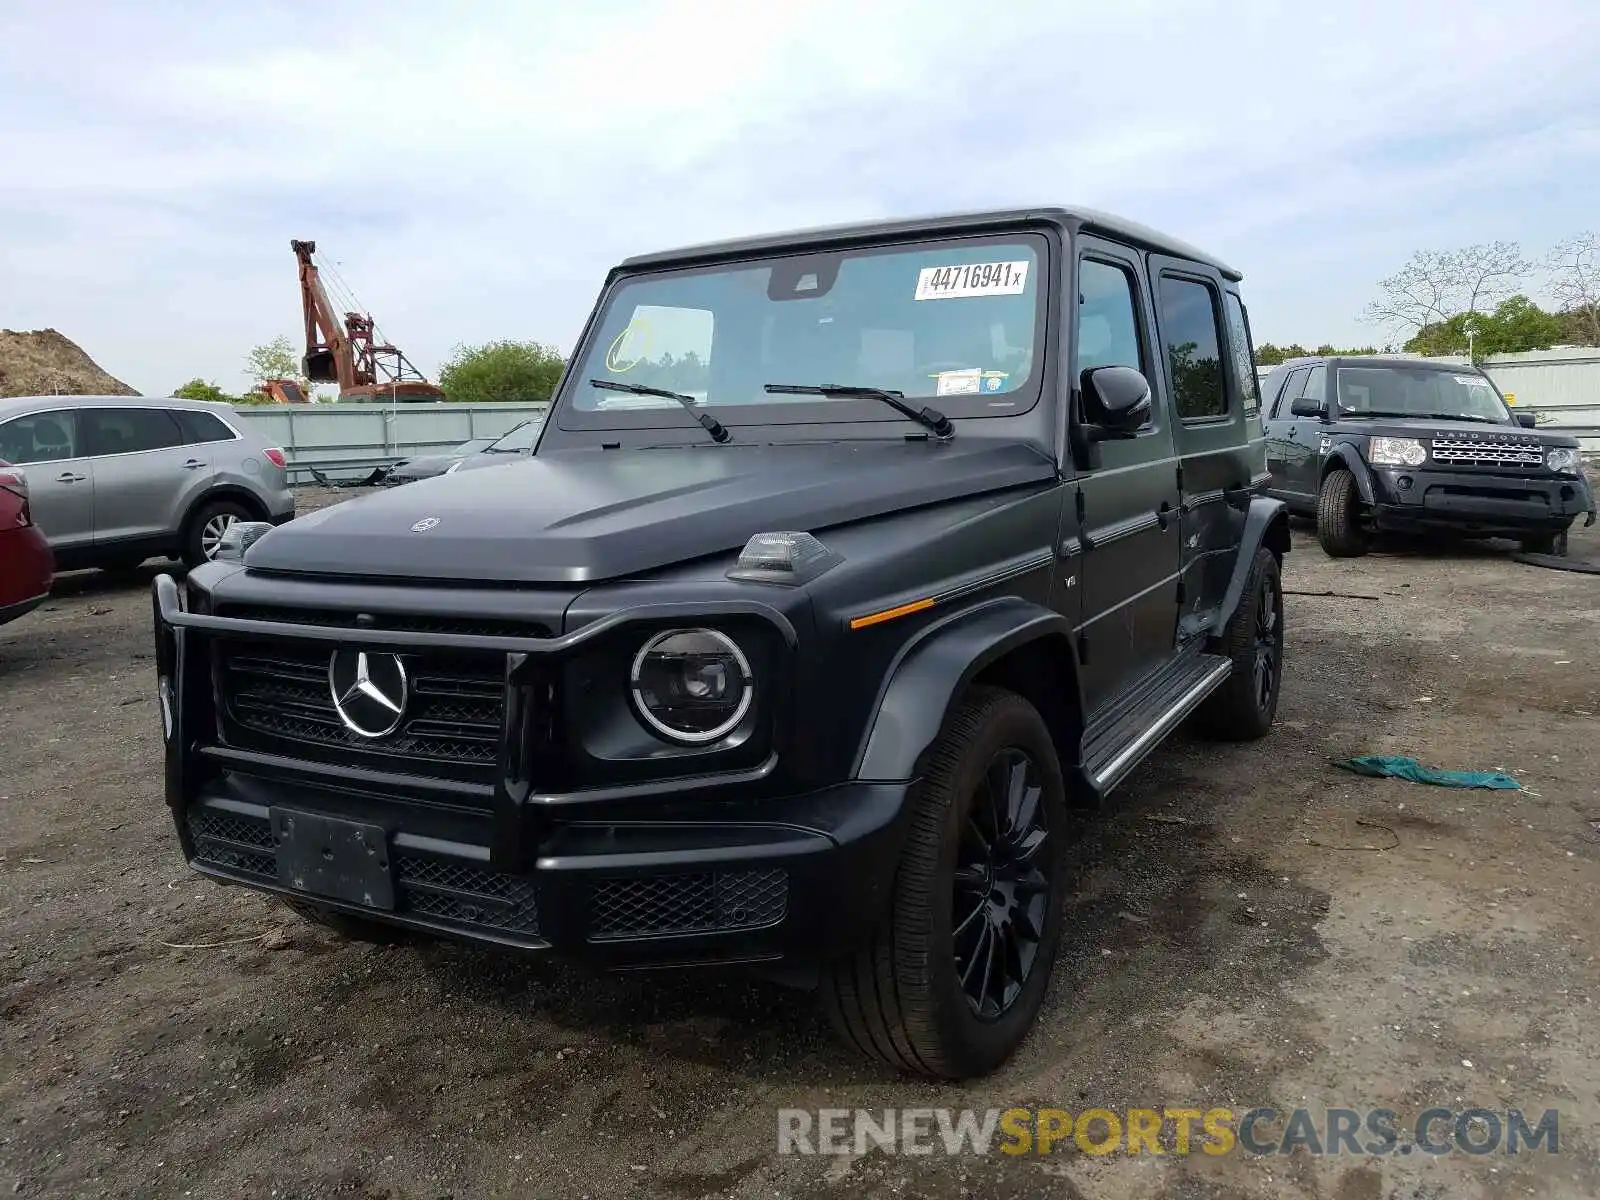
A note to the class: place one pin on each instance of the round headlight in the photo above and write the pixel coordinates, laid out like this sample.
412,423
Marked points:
692,685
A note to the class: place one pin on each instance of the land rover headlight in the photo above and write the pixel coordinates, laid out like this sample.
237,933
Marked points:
691,686
1563,458
1396,452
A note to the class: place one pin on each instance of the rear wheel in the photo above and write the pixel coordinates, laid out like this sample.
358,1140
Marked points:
953,978
206,527
1242,709
1548,543
350,927
1339,529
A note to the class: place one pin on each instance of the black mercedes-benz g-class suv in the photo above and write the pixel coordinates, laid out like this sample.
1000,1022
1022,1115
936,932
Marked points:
845,562
1411,445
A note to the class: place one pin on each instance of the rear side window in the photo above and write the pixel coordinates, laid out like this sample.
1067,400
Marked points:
202,426
1244,363
40,437
129,430
1189,324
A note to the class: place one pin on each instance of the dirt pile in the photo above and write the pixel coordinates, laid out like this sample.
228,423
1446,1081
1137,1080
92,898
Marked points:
42,362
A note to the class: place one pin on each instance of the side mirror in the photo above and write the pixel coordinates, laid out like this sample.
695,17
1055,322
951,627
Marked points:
1306,406
1526,419
1116,399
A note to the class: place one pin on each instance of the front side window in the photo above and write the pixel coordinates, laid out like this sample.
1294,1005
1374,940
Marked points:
129,430
1108,329
1419,392
1194,356
956,323
40,437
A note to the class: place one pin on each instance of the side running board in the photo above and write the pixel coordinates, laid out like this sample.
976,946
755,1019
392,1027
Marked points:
1116,747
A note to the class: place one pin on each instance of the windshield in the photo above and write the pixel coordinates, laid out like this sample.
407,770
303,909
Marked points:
958,320
518,437
1419,392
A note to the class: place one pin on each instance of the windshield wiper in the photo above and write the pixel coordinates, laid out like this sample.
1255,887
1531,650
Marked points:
1414,416
718,431
928,418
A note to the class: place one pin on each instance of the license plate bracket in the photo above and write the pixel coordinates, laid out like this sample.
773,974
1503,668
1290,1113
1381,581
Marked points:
334,858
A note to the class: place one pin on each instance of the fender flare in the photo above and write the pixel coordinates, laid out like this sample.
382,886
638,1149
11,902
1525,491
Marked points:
933,669
1347,457
1266,523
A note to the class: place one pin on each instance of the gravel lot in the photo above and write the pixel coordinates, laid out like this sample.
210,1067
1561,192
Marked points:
1251,926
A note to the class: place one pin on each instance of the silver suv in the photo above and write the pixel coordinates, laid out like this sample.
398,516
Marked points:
114,480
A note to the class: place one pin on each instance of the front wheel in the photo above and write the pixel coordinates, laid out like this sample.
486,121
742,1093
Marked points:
953,978
1553,544
1339,529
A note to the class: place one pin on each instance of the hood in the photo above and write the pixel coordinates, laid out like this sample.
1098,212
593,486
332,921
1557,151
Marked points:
586,515
1420,427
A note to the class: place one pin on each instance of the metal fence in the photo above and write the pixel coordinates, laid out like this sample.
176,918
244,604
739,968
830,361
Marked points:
350,441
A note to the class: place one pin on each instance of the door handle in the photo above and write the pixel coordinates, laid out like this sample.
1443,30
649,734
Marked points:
70,477
192,464
1163,514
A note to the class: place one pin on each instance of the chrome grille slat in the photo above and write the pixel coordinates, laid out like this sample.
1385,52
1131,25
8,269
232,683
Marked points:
1486,452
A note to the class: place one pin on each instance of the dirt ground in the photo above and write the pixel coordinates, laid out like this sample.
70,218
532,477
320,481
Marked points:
1251,926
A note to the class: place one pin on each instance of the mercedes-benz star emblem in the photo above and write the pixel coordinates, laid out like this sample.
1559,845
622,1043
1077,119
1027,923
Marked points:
369,691
425,524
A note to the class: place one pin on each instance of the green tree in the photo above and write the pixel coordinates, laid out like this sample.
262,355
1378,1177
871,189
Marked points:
200,389
1516,324
274,360
504,371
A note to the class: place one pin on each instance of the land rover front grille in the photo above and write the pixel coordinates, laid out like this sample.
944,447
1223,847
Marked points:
435,889
1486,452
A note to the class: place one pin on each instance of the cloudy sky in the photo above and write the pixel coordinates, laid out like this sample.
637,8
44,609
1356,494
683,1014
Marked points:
474,168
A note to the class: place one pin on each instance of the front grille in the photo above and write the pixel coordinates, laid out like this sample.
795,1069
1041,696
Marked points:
408,622
1486,452
440,890
277,697
705,902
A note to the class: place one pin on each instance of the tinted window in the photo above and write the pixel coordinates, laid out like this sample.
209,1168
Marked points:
1316,384
1290,389
41,437
128,430
1108,330
1194,356
202,426
1419,392
1244,364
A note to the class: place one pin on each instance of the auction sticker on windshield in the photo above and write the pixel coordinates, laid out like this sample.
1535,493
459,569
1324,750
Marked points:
972,279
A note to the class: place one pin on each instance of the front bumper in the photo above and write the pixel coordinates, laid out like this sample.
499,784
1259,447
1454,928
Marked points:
795,880
1478,502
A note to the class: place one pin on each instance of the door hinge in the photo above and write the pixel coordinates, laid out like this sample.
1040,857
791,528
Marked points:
1083,649
1181,591
1077,498
1179,473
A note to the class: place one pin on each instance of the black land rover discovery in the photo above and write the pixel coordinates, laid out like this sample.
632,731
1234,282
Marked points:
1409,445
845,562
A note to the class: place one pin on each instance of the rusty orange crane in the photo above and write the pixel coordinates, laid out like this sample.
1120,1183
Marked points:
347,352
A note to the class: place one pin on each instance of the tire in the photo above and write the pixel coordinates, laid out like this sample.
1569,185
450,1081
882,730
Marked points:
900,998
351,928
206,524
1553,544
1242,709
1338,530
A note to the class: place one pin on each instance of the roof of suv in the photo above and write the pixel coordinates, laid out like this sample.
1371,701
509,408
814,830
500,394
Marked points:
1088,220
1379,360
20,403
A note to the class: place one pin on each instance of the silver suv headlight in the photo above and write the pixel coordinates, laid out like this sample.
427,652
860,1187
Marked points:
691,686
1396,452
1562,458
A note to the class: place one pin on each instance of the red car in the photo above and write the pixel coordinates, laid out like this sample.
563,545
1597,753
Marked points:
27,567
